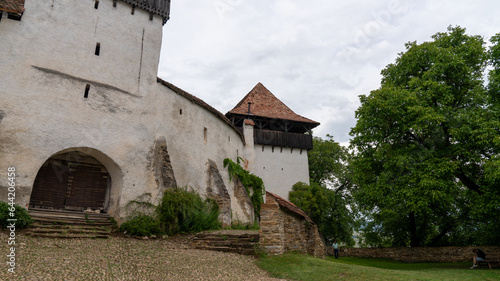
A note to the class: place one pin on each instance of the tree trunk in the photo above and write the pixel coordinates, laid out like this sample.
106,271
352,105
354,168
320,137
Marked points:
415,241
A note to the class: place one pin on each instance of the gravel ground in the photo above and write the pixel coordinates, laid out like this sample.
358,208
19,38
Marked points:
119,258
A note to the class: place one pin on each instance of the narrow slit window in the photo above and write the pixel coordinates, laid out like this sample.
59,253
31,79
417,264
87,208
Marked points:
180,111
96,4
205,133
87,89
97,49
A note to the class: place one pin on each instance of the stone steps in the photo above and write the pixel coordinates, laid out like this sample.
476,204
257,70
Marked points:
237,242
69,224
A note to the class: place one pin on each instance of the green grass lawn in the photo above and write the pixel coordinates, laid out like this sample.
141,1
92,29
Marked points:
293,266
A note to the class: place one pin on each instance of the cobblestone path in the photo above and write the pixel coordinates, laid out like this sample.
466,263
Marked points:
119,258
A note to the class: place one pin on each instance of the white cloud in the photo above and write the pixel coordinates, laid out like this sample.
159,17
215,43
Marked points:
317,56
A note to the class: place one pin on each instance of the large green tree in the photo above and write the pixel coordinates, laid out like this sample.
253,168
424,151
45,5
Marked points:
427,143
327,199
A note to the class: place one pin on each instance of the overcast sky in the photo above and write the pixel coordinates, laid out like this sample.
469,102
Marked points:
315,56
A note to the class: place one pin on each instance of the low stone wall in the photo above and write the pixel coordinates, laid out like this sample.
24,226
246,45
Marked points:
420,254
284,227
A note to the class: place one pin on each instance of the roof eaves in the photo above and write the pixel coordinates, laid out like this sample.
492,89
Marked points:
158,7
12,6
201,103
290,206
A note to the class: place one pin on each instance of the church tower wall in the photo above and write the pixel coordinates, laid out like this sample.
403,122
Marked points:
79,82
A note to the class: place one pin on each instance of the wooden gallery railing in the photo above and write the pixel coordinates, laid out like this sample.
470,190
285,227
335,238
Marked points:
276,138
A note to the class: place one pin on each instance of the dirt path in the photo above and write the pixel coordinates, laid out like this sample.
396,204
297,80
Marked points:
120,258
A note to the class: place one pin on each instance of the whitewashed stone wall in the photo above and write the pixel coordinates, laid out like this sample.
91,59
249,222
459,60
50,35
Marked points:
57,95
48,61
279,167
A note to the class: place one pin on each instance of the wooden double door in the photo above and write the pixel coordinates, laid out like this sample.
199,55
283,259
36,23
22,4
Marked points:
71,182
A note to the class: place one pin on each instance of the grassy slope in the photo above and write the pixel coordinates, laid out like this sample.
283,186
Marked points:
300,267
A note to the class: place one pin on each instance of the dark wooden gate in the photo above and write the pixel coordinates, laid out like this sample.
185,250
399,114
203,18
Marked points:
71,185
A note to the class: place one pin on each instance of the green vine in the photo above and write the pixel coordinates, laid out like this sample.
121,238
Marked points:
252,183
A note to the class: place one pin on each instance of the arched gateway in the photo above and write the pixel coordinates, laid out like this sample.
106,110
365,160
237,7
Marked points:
71,181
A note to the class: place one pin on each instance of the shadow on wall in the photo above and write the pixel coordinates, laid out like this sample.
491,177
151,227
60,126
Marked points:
78,178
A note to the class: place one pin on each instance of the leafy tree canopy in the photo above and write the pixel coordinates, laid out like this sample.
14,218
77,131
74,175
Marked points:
327,163
427,142
327,198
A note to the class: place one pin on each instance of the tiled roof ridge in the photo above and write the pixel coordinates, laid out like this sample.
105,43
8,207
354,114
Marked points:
201,103
281,110
13,6
290,206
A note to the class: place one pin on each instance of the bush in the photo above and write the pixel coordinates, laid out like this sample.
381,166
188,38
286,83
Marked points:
23,219
182,211
142,225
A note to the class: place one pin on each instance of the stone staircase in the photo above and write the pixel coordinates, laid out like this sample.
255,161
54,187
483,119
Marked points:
235,241
69,224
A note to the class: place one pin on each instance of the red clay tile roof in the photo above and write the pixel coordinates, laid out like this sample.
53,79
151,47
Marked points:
199,102
265,104
290,206
14,6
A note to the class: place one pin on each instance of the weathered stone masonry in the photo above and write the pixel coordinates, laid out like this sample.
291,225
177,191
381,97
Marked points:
421,254
284,227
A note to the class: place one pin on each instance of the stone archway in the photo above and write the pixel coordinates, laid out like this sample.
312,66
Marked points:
72,181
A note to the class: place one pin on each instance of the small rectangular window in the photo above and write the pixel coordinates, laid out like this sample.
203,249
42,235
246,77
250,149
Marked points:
97,48
96,4
87,89
205,133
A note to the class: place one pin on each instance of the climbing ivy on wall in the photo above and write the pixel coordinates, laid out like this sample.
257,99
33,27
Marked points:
252,183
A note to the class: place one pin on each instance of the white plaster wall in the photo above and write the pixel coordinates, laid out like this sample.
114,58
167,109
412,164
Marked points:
185,135
280,168
47,60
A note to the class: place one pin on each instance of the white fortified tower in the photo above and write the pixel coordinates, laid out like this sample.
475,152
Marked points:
87,124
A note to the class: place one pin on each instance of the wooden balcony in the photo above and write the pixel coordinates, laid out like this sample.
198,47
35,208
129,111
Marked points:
277,138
